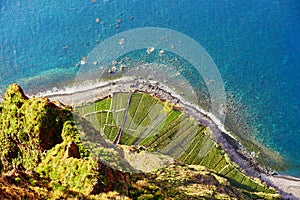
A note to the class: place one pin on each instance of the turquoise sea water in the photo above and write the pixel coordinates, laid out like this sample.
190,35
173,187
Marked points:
255,44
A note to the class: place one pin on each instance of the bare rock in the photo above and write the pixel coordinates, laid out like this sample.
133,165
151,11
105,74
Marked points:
72,150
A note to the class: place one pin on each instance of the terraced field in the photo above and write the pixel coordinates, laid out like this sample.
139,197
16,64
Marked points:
140,119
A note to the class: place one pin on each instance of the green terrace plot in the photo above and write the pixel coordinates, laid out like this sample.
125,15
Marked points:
140,119
96,112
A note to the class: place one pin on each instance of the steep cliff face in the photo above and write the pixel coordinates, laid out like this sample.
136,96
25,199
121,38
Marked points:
40,136
28,127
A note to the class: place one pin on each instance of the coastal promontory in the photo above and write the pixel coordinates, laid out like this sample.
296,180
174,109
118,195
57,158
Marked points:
132,145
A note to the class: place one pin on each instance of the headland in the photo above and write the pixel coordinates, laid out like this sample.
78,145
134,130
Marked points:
289,187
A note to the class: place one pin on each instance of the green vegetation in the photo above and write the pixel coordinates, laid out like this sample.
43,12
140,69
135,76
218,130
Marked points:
29,126
160,128
46,155
40,137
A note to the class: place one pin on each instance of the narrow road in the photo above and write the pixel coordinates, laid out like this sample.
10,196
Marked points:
118,137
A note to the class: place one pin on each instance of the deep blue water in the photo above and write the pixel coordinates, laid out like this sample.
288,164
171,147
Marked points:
255,44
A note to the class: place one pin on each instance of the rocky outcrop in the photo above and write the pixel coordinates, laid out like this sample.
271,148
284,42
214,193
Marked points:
28,127
113,180
72,150
39,135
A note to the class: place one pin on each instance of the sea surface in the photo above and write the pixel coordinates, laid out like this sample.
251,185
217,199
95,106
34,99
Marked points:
255,45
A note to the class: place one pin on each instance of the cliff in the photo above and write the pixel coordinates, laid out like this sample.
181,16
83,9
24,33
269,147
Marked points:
45,153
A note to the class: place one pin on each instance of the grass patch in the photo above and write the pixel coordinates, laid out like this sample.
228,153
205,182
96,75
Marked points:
107,130
113,133
127,138
104,104
103,119
135,101
146,103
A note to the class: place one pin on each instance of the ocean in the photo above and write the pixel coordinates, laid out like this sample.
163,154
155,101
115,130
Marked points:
254,44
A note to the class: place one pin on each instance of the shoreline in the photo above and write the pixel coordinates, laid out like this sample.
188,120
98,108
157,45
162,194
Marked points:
288,186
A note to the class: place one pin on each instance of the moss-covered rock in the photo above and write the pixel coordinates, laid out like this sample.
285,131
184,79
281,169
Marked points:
40,135
68,172
79,171
28,127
